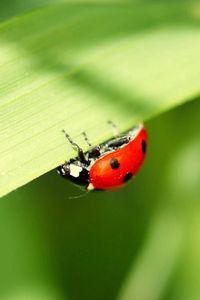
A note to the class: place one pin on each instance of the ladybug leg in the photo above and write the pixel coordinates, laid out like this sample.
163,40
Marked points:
81,154
118,142
114,128
86,139
95,152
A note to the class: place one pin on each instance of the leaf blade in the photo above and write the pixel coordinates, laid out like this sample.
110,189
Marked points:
59,72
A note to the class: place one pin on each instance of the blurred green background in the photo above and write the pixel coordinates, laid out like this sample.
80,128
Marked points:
139,242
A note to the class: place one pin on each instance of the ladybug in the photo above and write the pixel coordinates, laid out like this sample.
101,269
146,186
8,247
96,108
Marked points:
108,165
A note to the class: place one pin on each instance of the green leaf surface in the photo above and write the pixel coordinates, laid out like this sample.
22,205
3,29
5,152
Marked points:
152,270
11,8
76,66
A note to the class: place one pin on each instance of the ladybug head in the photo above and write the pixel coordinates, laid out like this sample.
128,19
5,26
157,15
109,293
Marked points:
75,173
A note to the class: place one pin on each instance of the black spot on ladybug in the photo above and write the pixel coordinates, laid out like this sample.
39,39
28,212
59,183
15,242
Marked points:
144,146
114,163
128,176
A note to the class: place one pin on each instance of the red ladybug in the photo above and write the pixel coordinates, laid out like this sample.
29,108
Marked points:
108,165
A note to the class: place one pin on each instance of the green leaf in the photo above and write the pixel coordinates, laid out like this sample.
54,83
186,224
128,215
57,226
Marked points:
10,8
151,271
76,66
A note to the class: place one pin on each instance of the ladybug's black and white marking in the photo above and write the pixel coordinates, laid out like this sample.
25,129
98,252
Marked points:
108,165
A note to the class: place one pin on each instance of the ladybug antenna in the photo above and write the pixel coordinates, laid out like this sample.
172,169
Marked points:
86,139
76,147
78,196
114,128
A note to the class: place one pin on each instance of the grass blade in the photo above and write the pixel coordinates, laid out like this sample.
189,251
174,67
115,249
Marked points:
75,66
